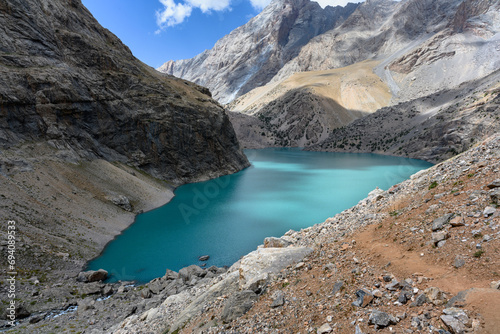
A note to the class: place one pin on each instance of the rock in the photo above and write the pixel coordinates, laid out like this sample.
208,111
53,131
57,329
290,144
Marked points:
489,210
457,221
92,276
157,285
494,184
495,285
37,318
364,298
459,262
435,296
393,286
358,330
439,223
204,258
93,288
456,320
458,313
381,319
279,299
256,267
107,290
439,236
22,312
495,196
121,201
377,293
146,293
171,275
85,305
325,328
420,300
337,287
97,276
238,304
272,242
188,273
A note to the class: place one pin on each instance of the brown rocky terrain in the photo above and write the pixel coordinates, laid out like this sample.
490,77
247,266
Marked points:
420,257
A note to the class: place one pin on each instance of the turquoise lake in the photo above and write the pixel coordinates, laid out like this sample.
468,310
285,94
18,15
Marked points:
229,217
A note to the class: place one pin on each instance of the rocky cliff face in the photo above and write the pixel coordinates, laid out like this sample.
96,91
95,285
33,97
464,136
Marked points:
435,128
66,80
252,54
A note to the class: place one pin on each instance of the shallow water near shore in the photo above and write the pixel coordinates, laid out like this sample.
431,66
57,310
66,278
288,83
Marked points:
229,217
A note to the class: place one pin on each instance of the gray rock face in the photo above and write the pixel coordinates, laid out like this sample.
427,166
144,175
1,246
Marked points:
439,223
66,80
252,54
256,267
238,304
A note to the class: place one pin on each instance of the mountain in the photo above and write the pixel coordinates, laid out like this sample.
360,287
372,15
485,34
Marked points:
414,47
304,108
251,55
90,137
68,81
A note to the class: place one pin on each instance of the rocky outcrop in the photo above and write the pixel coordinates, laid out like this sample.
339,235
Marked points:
68,81
304,108
252,54
433,128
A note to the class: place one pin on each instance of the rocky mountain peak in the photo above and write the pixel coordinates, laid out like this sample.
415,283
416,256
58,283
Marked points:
251,55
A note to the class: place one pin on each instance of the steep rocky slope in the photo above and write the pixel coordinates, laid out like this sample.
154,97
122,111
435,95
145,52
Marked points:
67,80
303,109
422,256
434,128
252,54
89,137
418,44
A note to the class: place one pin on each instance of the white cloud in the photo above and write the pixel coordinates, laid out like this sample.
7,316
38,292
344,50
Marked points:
333,3
175,13
209,5
259,4
172,14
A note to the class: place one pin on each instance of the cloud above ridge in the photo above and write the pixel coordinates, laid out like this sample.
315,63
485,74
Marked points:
174,13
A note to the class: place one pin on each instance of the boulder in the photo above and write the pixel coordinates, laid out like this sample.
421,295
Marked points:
435,296
459,262
381,319
272,242
279,299
188,273
495,196
439,223
324,329
204,258
364,298
489,210
439,236
238,304
171,275
99,275
92,276
494,184
257,266
121,201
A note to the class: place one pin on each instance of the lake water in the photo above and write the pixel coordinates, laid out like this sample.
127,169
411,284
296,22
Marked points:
229,217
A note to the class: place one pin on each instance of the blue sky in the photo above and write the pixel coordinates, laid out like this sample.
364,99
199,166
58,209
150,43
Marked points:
160,30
